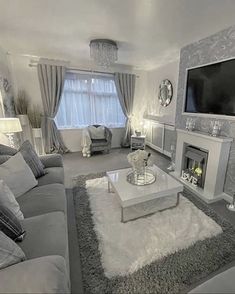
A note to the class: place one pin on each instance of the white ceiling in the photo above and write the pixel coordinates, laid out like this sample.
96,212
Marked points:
148,32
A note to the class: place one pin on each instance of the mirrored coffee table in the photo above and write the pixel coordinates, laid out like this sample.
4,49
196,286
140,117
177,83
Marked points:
139,201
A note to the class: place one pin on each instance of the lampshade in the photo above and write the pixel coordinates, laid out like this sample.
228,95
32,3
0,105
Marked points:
10,125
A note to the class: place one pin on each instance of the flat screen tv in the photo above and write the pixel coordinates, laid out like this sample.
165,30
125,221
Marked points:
210,89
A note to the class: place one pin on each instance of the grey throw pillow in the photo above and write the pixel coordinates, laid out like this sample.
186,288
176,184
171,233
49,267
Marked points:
4,158
10,225
32,159
10,252
6,150
8,200
18,176
97,133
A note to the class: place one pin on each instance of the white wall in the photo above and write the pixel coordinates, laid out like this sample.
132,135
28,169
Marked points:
25,78
148,103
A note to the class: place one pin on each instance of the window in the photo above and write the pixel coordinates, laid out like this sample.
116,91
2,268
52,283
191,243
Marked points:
88,100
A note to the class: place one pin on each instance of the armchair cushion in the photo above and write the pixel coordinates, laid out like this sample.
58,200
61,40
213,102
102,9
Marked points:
99,142
97,132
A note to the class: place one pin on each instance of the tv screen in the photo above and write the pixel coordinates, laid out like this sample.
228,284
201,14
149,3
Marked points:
211,89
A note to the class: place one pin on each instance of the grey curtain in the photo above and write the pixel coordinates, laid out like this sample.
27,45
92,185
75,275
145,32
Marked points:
51,80
125,85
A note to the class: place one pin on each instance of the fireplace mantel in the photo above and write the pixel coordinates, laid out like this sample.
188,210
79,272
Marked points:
218,154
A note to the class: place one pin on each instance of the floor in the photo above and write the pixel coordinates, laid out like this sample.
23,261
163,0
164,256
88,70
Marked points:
75,165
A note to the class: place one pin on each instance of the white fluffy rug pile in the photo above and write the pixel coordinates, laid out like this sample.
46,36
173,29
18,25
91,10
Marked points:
126,247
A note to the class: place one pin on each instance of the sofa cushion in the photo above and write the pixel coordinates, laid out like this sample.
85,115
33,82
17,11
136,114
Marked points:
4,158
52,160
8,199
43,199
41,275
32,159
17,175
53,175
10,225
7,150
46,235
10,252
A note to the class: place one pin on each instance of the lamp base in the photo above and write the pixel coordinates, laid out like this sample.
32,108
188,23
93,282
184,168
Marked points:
12,140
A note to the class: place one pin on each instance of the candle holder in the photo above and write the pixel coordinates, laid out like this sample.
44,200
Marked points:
215,128
190,124
231,206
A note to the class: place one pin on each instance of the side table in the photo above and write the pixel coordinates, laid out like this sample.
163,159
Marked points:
138,142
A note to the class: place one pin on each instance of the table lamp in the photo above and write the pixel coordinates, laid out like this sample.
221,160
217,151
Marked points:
9,126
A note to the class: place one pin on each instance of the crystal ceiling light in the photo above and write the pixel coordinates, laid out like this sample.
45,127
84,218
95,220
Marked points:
103,52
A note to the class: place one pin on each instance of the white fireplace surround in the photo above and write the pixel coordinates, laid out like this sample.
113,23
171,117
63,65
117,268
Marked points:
218,154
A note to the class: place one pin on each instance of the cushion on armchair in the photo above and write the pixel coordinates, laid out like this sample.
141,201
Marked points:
97,133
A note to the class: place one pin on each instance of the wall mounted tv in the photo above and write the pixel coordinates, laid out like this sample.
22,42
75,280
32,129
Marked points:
210,89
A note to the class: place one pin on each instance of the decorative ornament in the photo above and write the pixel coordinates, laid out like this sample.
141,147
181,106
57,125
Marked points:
140,174
216,127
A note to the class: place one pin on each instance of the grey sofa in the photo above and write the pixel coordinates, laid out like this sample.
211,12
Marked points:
221,283
101,144
45,245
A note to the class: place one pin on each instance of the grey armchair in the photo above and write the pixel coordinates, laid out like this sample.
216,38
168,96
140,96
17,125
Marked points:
101,144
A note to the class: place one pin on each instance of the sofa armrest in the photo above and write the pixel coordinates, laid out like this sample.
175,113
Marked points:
52,160
40,275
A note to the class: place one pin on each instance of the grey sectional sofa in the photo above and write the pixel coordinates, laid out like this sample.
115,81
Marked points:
45,245
220,283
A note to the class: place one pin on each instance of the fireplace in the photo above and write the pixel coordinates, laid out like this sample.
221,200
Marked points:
213,163
194,165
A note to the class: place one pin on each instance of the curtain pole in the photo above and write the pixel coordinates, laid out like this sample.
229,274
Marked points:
82,70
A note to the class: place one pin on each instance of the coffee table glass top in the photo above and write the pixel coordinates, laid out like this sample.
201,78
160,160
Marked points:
129,194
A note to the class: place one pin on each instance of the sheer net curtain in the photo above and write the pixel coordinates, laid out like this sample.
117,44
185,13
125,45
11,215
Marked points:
88,100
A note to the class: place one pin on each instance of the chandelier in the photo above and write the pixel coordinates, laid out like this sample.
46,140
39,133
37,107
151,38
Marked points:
103,52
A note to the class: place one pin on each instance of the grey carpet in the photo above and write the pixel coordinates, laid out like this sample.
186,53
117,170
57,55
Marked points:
172,274
75,164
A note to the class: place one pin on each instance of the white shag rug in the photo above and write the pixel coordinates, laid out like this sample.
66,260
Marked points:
126,247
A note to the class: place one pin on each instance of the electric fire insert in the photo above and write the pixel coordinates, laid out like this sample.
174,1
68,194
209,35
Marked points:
194,166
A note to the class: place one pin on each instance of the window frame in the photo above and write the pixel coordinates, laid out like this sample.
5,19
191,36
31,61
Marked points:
89,77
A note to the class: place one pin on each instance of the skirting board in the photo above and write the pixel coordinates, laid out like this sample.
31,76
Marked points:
199,191
154,147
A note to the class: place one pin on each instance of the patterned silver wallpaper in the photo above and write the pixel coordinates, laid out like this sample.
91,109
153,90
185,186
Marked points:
220,46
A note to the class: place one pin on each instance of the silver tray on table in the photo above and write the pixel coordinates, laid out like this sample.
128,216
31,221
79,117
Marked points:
146,178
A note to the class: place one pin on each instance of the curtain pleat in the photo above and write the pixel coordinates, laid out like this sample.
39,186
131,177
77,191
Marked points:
51,80
125,85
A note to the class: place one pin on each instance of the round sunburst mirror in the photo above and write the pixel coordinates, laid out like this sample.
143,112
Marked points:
165,93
